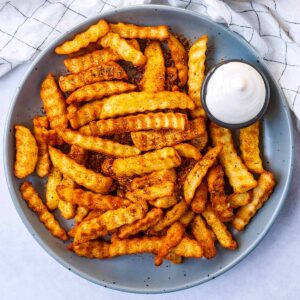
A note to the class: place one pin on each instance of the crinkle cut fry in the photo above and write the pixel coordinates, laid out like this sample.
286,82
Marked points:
139,122
136,102
165,158
196,175
154,75
123,48
107,71
164,202
36,204
26,152
99,90
238,175
157,139
97,144
81,40
180,58
54,103
92,249
260,195
54,178
131,31
82,176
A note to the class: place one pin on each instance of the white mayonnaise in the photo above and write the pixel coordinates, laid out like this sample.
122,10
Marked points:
235,93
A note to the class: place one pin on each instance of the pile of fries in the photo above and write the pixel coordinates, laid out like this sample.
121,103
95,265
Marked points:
132,158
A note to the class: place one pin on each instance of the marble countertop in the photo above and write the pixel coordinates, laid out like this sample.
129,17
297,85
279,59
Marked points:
27,272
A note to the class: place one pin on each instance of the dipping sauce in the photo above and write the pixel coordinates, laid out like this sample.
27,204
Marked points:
235,93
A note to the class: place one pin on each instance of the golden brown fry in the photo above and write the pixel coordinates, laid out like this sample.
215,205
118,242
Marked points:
196,73
123,48
108,221
237,200
52,199
92,249
135,102
85,114
93,59
148,193
218,199
173,237
200,198
81,213
148,140
54,103
81,40
200,142
82,176
131,31
180,57
79,154
249,145
165,202
187,218
26,152
152,217
36,204
134,43
188,151
165,158
203,237
96,144
40,125
88,49
188,248
139,122
91,200
174,258
238,175
197,174
223,235
172,215
154,75
107,71
99,90
52,138
260,195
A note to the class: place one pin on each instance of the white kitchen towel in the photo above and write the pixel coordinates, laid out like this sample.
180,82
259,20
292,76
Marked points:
272,27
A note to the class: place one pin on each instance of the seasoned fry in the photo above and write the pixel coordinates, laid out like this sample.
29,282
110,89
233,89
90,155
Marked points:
200,198
238,175
107,71
96,144
152,217
188,151
131,31
92,249
148,140
237,200
110,220
260,195
36,204
85,114
81,63
180,57
26,152
123,48
81,213
200,142
196,73
40,125
203,237
174,258
139,122
52,199
154,75
173,237
218,199
135,102
81,40
99,90
187,218
188,248
223,235
54,103
171,216
79,154
165,202
82,176
249,145
197,174
165,158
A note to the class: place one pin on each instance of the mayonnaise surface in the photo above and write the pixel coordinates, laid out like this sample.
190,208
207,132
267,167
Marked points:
235,93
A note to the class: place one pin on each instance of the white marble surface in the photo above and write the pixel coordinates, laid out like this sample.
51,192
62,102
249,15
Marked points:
271,271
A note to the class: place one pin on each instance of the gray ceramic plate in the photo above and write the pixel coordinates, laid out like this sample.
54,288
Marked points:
138,273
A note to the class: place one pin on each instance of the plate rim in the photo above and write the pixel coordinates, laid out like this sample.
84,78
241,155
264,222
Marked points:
49,250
